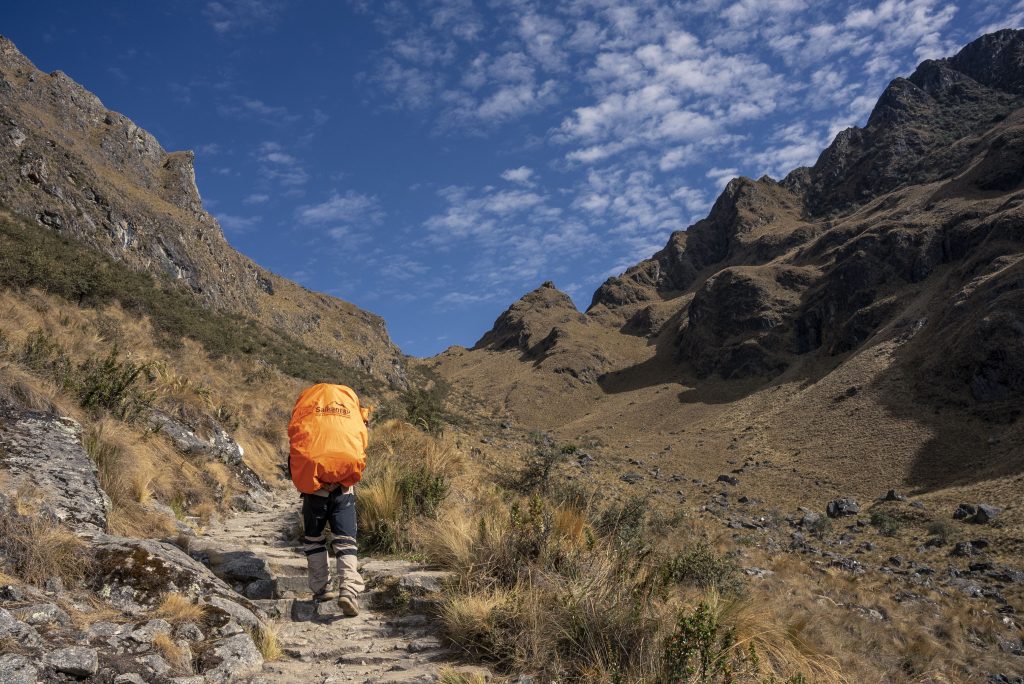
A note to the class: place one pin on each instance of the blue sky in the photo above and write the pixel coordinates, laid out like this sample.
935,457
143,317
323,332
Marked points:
432,161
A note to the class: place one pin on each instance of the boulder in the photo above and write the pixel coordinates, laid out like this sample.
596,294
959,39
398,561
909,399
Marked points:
985,514
77,661
842,507
17,669
133,574
964,511
45,451
219,444
231,659
13,629
728,479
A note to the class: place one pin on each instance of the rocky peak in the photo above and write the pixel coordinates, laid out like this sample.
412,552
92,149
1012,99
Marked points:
995,60
530,320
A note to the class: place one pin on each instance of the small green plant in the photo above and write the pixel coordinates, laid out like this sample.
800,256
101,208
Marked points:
111,384
535,475
820,527
422,491
940,530
701,649
624,523
886,524
424,408
41,354
701,566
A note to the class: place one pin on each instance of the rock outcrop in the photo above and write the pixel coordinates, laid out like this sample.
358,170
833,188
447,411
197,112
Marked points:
45,452
71,165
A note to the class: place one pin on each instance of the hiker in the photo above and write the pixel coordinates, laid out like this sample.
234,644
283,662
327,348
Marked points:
328,439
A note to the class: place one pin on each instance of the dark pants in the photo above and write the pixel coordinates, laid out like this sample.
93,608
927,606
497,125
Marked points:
337,510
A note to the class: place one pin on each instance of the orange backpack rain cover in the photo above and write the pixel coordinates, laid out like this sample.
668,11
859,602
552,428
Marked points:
328,438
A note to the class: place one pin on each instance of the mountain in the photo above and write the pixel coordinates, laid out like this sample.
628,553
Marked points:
72,166
892,269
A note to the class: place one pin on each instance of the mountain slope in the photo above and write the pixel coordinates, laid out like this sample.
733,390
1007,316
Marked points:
864,317
72,166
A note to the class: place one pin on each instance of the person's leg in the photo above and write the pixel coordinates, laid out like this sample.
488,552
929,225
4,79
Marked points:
343,527
314,522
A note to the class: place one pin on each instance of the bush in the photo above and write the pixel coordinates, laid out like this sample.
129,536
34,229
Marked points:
424,408
885,523
535,475
408,477
624,523
700,649
111,385
940,530
699,565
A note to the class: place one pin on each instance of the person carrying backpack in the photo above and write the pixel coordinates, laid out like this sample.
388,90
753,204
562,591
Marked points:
328,437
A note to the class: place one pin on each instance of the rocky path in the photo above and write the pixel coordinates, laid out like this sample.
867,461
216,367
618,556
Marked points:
392,639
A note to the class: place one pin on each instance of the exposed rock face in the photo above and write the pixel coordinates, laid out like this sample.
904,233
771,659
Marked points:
71,165
46,451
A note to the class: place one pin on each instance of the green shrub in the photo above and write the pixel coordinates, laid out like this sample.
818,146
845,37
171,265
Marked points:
112,385
424,408
624,523
700,649
940,530
42,355
701,566
885,523
536,473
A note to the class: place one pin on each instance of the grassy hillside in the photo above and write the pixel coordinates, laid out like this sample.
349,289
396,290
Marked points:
34,257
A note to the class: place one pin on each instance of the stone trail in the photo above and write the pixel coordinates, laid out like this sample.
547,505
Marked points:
256,552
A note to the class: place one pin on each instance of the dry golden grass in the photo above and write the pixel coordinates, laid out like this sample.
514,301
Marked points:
449,675
178,609
37,548
266,639
174,654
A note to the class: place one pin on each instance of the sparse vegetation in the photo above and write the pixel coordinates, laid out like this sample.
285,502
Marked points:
885,523
265,638
178,609
36,548
170,651
33,258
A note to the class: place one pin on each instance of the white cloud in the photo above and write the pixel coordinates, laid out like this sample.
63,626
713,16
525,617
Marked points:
280,166
349,209
721,177
256,198
521,174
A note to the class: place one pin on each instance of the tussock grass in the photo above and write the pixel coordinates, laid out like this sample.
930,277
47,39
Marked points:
178,609
408,477
37,548
174,654
266,639
450,675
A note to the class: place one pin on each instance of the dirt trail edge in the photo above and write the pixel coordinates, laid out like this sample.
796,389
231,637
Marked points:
392,640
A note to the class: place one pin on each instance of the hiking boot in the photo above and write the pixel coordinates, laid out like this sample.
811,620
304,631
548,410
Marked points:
325,594
348,604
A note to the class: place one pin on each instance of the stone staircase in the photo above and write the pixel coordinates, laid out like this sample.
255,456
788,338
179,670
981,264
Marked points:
392,640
